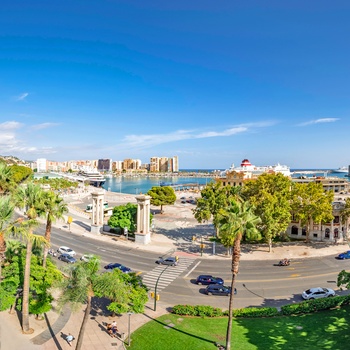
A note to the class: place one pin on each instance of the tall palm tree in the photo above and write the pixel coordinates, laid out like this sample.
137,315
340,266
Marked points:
6,214
30,197
54,207
78,290
234,221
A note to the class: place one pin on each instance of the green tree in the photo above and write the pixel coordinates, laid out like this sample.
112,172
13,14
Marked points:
270,195
345,215
343,279
78,290
125,291
6,213
215,197
162,195
24,230
236,220
124,216
7,183
55,207
20,173
310,203
30,197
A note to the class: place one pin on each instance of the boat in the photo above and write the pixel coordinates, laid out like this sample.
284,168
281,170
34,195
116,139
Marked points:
343,169
94,177
246,167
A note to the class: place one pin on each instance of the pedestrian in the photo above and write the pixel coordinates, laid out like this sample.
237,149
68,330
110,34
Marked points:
69,339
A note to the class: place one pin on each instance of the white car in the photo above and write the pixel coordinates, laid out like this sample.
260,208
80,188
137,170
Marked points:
315,293
86,257
66,250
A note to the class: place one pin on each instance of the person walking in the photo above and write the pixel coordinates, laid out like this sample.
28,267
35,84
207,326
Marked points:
69,339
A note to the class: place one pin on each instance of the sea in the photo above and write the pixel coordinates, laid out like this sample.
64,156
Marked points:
142,184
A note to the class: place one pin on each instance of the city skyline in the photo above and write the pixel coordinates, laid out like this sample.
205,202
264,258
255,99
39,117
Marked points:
213,83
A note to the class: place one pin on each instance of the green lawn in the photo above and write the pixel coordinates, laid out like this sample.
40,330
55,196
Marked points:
322,330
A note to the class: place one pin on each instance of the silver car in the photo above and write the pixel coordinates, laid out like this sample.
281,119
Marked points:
316,293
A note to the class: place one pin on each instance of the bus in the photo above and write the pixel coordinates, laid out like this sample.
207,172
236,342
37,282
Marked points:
89,207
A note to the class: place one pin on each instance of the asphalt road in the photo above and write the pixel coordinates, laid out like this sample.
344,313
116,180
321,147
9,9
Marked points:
259,283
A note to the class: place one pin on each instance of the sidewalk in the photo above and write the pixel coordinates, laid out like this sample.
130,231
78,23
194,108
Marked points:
50,334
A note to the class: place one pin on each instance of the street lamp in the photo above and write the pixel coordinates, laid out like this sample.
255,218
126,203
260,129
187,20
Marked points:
129,314
155,289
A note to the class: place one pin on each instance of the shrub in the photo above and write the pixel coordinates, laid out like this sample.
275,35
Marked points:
309,306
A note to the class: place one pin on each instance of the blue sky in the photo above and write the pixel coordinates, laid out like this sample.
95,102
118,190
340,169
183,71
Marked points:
212,82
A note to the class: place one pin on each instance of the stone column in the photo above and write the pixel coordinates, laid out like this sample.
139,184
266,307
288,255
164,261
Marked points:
97,212
143,234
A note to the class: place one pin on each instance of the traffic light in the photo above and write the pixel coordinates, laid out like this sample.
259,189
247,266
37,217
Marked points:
157,297
152,294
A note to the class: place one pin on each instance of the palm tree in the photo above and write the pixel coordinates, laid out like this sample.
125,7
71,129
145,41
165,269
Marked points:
30,197
6,213
234,221
55,207
78,290
6,182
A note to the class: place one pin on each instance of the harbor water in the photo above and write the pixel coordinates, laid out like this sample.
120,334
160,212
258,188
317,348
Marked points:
141,184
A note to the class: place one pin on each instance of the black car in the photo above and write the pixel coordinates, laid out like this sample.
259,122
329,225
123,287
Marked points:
67,258
172,261
208,279
121,267
217,289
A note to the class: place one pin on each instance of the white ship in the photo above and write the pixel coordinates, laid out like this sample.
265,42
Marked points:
94,177
343,169
246,166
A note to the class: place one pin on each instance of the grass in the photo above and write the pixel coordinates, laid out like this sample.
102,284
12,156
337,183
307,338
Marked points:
322,330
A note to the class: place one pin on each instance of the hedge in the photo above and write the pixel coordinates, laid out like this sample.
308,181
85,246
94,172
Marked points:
304,307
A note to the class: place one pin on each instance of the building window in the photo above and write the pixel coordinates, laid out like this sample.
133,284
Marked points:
303,231
336,220
327,232
294,230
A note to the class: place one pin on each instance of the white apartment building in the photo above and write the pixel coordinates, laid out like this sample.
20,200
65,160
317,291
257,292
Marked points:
41,165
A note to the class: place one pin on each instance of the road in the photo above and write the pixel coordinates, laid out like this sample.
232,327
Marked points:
259,283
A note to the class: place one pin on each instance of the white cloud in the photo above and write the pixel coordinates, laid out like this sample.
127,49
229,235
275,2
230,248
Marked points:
43,126
319,121
10,125
179,135
22,97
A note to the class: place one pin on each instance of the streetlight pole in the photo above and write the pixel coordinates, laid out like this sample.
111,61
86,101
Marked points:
155,289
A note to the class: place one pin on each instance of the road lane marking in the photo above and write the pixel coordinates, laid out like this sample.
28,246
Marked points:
194,267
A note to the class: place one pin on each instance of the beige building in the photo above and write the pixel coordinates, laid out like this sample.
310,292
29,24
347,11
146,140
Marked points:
164,164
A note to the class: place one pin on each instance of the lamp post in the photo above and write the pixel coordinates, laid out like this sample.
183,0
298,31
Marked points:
155,289
129,314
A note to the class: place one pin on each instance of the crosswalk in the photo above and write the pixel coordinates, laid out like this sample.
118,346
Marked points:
166,274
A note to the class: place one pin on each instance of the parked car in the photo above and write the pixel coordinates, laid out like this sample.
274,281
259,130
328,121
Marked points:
217,289
121,267
316,293
172,261
86,257
183,202
208,279
66,250
345,255
67,258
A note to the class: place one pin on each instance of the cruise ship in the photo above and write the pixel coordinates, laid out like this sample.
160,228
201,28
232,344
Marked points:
94,177
246,166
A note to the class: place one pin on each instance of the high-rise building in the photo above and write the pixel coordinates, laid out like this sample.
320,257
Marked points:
41,165
104,165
